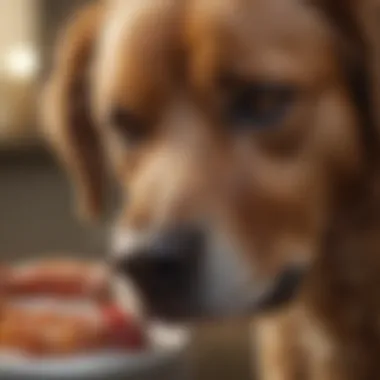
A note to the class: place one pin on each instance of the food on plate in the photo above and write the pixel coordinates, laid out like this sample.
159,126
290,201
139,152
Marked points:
45,332
60,278
63,307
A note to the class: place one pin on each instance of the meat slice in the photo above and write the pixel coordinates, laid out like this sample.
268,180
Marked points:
60,278
47,331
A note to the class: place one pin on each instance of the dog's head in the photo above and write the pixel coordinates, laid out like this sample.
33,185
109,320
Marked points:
232,130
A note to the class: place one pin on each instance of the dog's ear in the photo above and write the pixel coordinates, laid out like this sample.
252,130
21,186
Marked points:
67,121
356,24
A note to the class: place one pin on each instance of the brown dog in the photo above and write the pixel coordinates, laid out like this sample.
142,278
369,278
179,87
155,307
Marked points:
242,134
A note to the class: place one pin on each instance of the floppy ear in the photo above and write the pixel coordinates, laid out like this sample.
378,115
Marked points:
67,121
357,26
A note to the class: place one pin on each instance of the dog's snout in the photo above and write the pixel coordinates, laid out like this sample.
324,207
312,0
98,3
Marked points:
164,269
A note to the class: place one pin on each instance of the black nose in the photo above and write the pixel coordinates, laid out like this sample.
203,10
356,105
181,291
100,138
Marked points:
165,270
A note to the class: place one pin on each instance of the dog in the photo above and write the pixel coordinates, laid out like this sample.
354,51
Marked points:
243,137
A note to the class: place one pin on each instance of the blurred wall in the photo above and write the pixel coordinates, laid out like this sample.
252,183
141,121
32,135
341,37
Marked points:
36,205
37,215
19,52
17,23
28,34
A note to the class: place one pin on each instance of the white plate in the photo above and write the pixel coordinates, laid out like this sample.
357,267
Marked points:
168,348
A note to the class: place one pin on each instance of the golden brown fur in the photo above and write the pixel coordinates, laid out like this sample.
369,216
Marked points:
303,192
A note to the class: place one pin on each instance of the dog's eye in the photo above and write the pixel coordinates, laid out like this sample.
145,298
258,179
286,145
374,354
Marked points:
260,105
128,125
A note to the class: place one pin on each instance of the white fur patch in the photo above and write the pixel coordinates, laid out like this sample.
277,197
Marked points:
229,285
126,243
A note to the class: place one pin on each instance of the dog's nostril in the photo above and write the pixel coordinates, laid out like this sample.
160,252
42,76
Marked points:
168,268
178,244
166,265
160,277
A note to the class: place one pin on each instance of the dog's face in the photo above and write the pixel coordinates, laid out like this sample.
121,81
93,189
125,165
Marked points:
229,128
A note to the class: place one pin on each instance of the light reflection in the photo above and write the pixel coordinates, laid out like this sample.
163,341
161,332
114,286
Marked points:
22,62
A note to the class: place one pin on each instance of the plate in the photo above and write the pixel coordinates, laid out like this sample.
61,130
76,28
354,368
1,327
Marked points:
169,347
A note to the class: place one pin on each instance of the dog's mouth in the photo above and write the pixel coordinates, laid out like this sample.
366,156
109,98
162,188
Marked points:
186,309
284,290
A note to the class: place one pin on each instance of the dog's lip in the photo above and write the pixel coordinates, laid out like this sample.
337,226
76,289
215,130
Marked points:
280,293
283,290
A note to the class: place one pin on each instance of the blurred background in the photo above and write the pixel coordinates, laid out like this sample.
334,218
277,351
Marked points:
36,213
35,200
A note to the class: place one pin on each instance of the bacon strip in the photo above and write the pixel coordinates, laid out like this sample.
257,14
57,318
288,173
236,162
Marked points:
39,332
61,278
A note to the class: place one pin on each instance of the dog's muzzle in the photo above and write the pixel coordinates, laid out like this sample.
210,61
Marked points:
170,273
